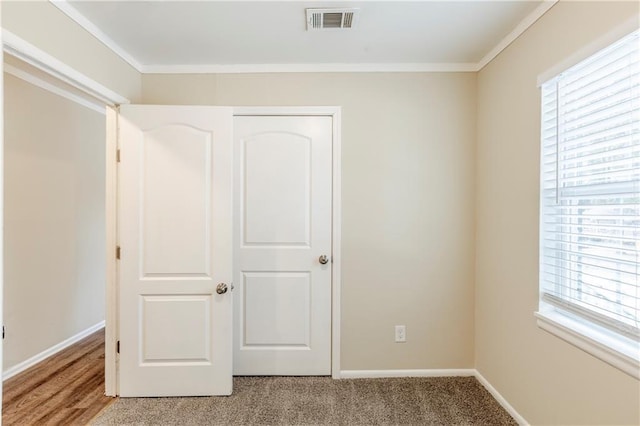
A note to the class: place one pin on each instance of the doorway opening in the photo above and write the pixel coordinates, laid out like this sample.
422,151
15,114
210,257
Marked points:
54,225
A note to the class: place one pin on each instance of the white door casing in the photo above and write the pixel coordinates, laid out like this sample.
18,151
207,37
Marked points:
1,201
283,224
174,224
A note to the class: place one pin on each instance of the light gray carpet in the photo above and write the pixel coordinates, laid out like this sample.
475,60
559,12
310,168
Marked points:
321,401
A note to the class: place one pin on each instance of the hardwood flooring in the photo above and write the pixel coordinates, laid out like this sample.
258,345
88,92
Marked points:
65,389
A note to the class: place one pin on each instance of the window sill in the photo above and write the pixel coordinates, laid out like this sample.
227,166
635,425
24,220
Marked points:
624,356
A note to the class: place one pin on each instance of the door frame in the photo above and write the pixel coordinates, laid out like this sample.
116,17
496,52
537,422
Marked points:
64,75
336,206
112,300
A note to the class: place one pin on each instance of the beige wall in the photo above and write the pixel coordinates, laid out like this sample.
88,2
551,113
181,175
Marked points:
547,380
418,203
408,202
54,220
45,26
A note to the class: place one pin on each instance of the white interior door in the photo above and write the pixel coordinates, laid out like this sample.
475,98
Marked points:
174,219
282,207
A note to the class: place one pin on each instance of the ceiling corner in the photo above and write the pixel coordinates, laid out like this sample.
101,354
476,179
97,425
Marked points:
65,7
527,22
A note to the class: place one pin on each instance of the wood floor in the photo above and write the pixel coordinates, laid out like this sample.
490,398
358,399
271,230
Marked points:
66,389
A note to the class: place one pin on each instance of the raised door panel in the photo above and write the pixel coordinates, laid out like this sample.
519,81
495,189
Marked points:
164,320
276,182
276,310
176,202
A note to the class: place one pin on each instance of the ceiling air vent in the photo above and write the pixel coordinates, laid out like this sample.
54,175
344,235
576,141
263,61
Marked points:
323,19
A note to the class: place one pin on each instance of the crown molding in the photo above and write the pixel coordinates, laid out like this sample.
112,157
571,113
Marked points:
524,25
72,13
307,68
92,29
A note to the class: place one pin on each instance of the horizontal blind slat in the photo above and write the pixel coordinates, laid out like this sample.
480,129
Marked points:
580,289
631,262
625,71
609,309
629,330
550,201
601,124
629,285
612,266
611,146
601,136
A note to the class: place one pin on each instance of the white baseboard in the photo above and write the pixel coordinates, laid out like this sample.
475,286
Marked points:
370,374
501,400
19,368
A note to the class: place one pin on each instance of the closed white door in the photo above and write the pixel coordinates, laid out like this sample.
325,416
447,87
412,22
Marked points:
282,245
174,219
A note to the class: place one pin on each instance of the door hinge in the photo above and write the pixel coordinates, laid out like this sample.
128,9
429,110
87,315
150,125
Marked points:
118,347
117,156
118,252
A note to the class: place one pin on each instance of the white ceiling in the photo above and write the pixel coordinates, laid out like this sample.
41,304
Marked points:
157,36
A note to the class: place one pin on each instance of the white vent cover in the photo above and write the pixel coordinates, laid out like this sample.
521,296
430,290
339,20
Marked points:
323,19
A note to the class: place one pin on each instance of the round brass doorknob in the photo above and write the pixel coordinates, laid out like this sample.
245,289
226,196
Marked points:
221,288
323,259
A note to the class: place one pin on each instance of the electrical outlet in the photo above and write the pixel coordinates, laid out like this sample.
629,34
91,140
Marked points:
401,334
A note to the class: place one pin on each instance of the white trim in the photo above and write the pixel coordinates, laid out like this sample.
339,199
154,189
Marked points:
501,400
600,43
1,204
27,52
336,237
19,368
524,25
373,374
306,68
329,111
92,29
31,79
570,331
111,240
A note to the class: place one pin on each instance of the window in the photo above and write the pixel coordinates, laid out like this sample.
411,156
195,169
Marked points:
590,204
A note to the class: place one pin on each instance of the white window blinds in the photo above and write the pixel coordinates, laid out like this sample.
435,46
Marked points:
590,189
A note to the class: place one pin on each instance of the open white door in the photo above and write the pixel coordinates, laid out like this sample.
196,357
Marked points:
175,226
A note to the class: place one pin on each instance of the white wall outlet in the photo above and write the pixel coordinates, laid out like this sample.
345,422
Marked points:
401,334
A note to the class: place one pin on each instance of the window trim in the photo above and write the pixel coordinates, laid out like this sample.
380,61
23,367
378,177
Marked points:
623,29
611,347
597,341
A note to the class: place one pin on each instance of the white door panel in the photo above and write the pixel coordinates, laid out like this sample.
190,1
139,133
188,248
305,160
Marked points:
277,190
282,302
287,325
177,171
175,182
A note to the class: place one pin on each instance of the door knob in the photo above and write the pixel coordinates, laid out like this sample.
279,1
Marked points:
323,259
221,288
